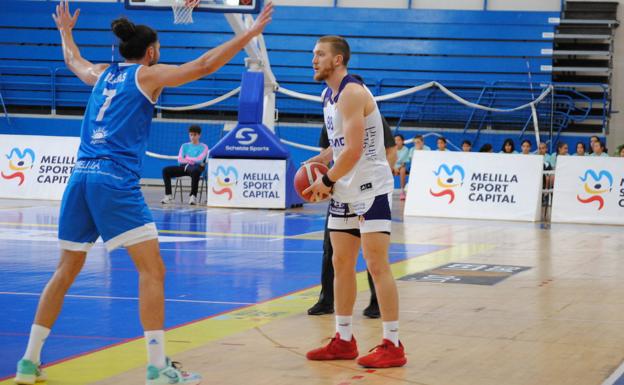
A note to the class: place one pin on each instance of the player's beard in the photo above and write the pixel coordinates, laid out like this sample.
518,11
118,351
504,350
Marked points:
324,73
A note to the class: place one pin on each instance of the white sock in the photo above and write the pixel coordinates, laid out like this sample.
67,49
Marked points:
343,326
38,335
155,341
391,332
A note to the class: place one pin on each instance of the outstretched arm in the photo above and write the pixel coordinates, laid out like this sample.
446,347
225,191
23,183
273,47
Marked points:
155,77
84,69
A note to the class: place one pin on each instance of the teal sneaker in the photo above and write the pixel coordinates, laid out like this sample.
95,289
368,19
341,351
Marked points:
28,372
171,374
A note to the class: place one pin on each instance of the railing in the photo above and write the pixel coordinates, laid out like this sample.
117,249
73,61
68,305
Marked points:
57,87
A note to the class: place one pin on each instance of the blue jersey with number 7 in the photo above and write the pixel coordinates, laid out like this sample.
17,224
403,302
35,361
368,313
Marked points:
117,121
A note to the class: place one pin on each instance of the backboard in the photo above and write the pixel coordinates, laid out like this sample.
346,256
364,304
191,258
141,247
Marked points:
225,6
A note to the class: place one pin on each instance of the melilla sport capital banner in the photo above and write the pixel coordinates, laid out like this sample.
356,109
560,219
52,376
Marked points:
475,185
589,190
250,183
36,167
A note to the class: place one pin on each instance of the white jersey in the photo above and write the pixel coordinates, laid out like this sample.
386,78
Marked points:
371,175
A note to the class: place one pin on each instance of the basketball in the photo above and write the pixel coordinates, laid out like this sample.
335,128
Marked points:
306,175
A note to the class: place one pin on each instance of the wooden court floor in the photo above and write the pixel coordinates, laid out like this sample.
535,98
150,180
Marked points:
561,321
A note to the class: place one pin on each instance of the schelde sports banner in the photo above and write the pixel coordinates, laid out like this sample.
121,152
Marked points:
36,167
589,190
252,183
475,185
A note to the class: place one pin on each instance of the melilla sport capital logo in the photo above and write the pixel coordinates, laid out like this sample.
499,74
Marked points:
448,179
226,179
595,185
19,161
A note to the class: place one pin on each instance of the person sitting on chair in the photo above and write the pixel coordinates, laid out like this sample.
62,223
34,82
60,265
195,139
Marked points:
191,162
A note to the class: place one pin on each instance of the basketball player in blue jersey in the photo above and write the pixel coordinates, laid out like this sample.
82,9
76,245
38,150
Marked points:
361,186
103,197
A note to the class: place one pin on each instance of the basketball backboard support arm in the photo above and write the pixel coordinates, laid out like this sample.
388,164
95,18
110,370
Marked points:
258,60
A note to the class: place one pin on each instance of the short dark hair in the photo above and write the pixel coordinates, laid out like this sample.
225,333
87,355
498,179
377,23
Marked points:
133,39
442,139
195,128
467,142
486,148
400,136
339,46
419,137
527,141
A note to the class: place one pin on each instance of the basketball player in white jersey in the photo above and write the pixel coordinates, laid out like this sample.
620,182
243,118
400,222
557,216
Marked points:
361,186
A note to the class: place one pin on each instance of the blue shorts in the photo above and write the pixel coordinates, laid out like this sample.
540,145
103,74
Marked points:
103,199
370,216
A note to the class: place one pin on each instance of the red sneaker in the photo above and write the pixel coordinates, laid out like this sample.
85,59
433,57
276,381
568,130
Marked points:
385,355
337,349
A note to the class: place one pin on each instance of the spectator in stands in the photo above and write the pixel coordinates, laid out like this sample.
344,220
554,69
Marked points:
403,159
191,162
548,181
599,149
562,150
508,147
441,142
620,151
526,147
486,148
580,149
466,146
592,140
419,145
542,149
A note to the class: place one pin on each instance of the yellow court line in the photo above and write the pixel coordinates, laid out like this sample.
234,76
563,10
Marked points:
115,360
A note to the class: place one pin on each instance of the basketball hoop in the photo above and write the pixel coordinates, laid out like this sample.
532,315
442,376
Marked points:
183,11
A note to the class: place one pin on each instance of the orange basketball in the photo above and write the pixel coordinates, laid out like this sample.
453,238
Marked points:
306,175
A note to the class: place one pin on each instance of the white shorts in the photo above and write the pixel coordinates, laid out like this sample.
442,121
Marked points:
371,216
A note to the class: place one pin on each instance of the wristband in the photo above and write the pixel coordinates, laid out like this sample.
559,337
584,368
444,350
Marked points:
326,181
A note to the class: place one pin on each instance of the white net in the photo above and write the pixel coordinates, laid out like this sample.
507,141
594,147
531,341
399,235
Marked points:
183,11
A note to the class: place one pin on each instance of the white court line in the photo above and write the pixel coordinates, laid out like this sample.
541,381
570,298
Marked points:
129,298
615,376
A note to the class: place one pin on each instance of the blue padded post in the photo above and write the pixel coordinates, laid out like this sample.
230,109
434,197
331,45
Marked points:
251,98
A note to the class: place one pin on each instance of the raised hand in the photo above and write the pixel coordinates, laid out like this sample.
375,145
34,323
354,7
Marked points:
262,20
64,20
